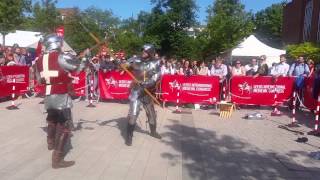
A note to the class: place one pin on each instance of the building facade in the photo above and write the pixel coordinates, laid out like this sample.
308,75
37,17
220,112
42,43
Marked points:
301,21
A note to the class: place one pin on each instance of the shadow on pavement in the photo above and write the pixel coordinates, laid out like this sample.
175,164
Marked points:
206,155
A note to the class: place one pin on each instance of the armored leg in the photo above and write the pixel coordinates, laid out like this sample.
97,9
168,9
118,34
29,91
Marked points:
152,116
51,128
61,138
132,118
51,131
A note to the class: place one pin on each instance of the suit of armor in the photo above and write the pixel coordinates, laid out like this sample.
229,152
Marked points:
147,71
53,68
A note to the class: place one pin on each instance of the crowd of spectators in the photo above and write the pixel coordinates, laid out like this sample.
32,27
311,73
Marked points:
16,55
300,68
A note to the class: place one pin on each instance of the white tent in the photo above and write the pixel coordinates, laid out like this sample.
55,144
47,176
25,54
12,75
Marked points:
28,39
251,46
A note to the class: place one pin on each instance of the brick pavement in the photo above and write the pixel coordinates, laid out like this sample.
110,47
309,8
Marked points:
195,145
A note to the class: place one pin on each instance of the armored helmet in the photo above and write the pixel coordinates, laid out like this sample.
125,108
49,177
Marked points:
52,42
150,49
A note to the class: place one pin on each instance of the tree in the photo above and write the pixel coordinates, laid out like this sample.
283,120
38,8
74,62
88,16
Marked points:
268,24
168,23
45,16
11,15
309,50
102,23
228,24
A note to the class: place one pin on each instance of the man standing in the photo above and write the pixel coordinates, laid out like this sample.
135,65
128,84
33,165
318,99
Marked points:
280,69
147,70
19,58
299,70
221,70
52,69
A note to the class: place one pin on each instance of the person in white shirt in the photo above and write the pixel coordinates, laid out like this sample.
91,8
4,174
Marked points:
251,69
169,68
219,69
238,69
280,69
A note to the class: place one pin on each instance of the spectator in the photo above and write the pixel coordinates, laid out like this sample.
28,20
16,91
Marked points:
299,68
316,84
2,59
186,70
219,69
238,69
19,58
280,69
203,69
105,63
263,68
169,68
178,67
213,62
251,69
29,56
10,60
194,67
311,67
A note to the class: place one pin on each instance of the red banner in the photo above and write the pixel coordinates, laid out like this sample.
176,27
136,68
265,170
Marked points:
190,89
78,82
114,85
308,99
9,74
261,90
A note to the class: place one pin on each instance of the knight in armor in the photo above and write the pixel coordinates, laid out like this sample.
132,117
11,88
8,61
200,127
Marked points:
147,70
52,69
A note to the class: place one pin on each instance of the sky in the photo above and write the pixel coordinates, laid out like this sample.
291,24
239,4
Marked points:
129,8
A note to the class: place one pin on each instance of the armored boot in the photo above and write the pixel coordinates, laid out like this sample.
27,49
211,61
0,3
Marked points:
51,131
153,131
130,129
57,154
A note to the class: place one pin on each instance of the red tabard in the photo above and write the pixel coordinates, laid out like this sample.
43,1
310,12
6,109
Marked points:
56,78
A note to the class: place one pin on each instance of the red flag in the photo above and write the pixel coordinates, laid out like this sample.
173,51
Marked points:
60,31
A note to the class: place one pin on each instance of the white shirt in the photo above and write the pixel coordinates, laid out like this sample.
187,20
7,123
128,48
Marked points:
219,71
248,67
169,70
280,69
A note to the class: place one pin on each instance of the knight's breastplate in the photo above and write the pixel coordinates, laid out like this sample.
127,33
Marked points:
53,76
142,70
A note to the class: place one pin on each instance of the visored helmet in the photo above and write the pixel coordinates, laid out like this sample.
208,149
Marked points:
150,49
53,42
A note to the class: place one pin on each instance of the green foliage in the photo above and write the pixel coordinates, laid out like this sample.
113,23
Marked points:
168,23
228,24
12,14
309,50
45,17
102,23
268,24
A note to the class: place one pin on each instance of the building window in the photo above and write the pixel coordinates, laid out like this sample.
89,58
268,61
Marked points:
307,21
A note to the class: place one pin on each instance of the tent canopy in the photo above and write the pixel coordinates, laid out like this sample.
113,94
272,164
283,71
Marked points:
252,47
28,39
